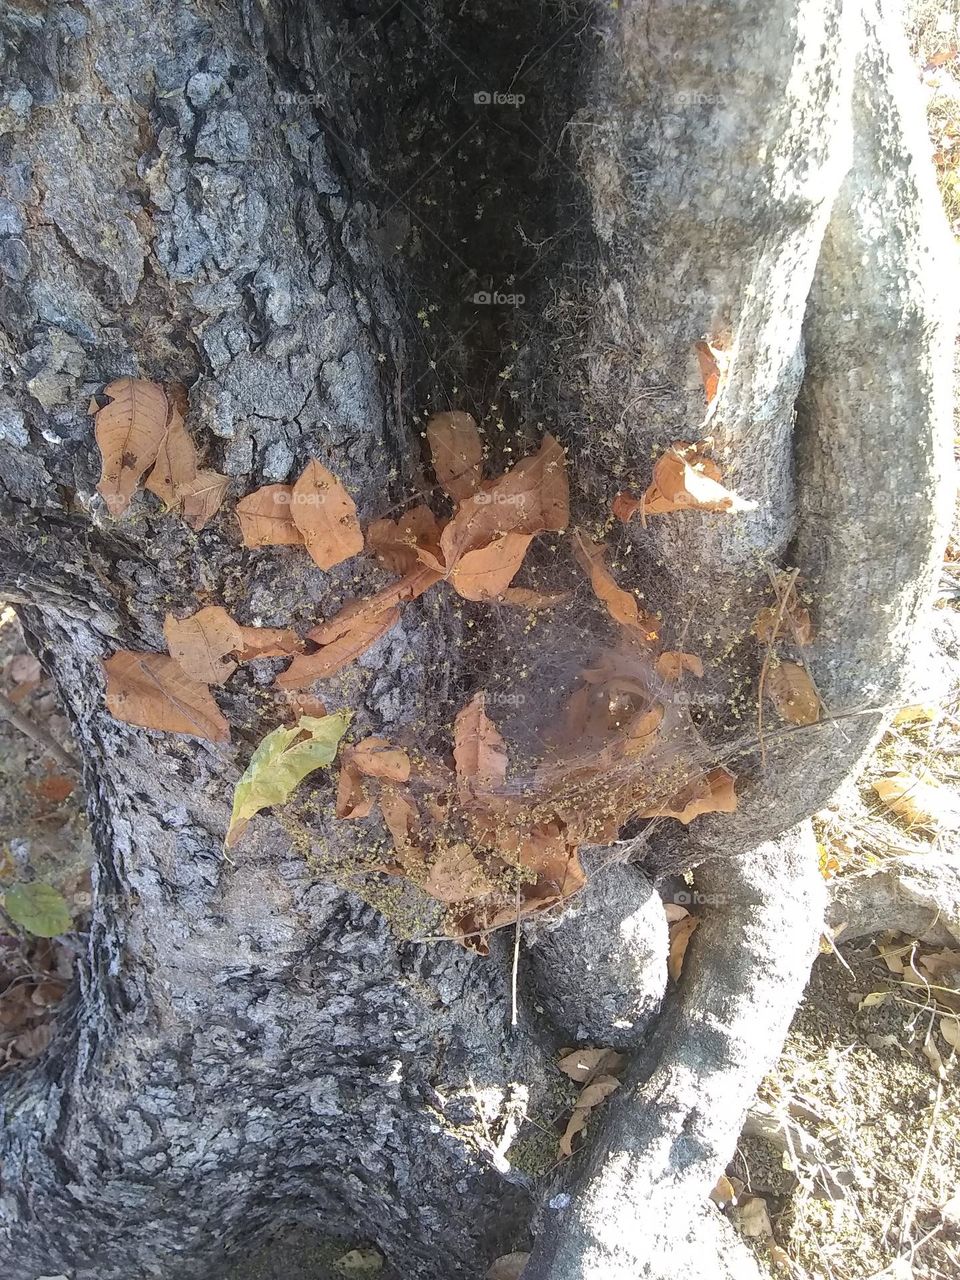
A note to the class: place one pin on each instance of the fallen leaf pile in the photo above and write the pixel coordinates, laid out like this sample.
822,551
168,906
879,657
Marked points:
468,835
142,431
172,692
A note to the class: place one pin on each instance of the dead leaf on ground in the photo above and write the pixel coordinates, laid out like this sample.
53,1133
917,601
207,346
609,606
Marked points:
396,542
681,931
360,613
456,875
684,479
307,668
152,690
265,518
24,668
723,1194
55,787
752,1217
486,573
582,1065
524,598
129,431
714,361
792,692
267,642
711,793
479,751
326,516
590,1097
671,665
456,451
201,642
620,604
918,798
508,1267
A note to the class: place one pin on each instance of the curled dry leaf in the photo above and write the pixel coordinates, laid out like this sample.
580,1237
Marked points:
281,762
267,642
326,516
376,758
479,751
714,362
307,668
681,931
456,451
129,431
486,573
153,690
620,604
360,613
178,481
684,479
590,1097
792,692
201,642
396,542
524,598
265,518
671,665
712,793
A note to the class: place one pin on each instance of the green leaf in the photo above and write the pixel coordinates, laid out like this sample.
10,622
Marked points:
281,762
38,908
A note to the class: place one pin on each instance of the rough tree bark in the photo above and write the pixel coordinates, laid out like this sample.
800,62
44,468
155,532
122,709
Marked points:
289,206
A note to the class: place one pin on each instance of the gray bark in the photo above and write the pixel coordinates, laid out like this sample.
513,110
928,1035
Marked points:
215,192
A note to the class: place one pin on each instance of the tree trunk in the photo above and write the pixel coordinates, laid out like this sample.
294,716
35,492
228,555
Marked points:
296,209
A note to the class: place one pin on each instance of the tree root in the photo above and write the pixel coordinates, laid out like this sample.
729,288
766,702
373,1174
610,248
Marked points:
673,1127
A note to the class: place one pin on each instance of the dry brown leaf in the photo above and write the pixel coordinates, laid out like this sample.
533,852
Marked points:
456,875
792,692
24,668
582,1065
671,665
401,818
683,480
714,361
916,713
479,751
596,1092
918,798
353,798
307,668
712,793
202,497
326,516
508,1267
456,451
129,431
950,1030
376,758
681,931
620,604
268,642
674,911
361,613
524,598
201,642
625,506
395,542
532,497
486,573
265,518
752,1217
153,690
723,1194
176,463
